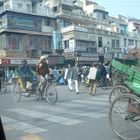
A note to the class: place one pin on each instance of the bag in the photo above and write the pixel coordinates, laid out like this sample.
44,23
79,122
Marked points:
92,73
107,76
29,85
20,83
87,81
61,81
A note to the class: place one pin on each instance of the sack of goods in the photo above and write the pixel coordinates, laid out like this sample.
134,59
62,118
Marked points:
92,73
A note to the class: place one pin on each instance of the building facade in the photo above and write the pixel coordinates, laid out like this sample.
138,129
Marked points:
80,30
25,31
89,34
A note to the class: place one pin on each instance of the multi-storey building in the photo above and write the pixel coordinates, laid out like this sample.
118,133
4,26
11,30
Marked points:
26,31
89,34
81,30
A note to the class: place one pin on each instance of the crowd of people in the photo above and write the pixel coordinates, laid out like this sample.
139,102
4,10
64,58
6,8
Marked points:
72,75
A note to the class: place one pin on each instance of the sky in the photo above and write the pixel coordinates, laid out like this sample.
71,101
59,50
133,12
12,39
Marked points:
128,8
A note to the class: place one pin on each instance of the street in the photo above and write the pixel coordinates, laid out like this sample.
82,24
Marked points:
73,117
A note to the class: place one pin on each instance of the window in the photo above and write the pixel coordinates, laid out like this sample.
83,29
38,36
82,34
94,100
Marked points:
66,44
93,50
117,43
130,42
47,22
113,43
125,42
28,8
136,43
54,9
19,5
100,42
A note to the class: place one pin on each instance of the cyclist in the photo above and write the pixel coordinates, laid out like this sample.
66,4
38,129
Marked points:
24,72
42,70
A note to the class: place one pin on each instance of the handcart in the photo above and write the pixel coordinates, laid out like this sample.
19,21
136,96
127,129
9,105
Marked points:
124,111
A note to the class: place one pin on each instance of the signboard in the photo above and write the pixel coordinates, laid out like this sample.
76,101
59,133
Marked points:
71,44
16,61
5,61
69,56
2,53
88,59
25,23
29,61
54,60
57,40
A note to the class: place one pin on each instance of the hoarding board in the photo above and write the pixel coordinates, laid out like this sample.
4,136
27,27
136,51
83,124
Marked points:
54,60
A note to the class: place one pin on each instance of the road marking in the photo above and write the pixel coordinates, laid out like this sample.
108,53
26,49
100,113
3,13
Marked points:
90,102
25,127
71,122
99,99
72,111
48,117
69,105
82,108
30,113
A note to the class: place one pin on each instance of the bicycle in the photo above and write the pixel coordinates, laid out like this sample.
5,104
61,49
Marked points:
119,87
124,111
40,88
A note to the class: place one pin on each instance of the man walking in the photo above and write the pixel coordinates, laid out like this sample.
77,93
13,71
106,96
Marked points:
68,76
92,77
75,77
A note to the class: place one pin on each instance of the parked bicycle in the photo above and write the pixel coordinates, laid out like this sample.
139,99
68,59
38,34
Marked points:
41,88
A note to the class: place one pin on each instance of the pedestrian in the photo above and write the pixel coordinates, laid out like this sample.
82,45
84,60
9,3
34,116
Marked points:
2,77
103,76
75,77
92,77
24,72
68,76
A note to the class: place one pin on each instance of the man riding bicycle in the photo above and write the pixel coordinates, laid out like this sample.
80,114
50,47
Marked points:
42,70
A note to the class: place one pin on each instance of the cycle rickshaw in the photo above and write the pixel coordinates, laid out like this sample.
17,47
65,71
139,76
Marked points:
36,88
124,111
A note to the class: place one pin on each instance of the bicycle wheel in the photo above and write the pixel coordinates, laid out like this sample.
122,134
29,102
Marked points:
50,94
123,122
17,92
117,91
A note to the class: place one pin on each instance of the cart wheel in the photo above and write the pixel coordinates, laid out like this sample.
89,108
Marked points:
125,123
117,91
17,92
51,94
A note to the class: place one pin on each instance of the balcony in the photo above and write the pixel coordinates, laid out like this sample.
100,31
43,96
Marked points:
81,17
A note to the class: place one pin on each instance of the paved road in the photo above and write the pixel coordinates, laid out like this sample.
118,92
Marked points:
73,117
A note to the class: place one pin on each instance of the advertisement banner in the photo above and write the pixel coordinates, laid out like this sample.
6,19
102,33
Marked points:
57,39
24,23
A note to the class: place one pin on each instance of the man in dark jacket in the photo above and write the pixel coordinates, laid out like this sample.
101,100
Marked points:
103,75
25,72
75,77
